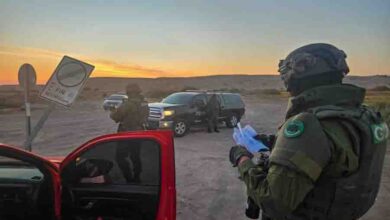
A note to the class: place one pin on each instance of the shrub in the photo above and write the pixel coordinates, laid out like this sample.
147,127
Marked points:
232,90
11,102
265,92
270,92
158,94
380,88
189,88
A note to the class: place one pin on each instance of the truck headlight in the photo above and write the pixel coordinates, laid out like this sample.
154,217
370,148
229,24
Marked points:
168,113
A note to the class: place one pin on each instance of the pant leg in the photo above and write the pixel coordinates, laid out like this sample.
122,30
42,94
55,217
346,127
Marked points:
215,119
122,153
135,156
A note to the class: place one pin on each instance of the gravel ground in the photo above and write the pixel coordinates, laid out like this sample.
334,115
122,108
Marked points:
207,185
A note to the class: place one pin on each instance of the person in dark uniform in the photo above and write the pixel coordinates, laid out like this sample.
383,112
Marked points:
212,113
131,116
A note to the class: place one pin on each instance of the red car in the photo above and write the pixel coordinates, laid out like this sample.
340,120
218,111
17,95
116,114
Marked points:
113,177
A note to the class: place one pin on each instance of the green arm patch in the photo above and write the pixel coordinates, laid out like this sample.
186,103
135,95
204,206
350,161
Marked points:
294,128
302,146
380,132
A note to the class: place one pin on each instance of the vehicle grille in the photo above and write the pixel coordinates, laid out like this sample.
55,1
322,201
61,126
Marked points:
155,112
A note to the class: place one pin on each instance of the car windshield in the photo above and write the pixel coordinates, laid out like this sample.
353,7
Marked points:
116,97
178,98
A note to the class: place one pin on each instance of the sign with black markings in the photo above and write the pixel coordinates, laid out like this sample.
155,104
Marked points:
67,81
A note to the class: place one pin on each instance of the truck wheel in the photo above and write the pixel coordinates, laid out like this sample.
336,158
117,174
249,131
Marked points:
180,128
232,121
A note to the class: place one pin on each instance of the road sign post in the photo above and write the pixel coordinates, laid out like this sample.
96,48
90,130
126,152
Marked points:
62,88
27,79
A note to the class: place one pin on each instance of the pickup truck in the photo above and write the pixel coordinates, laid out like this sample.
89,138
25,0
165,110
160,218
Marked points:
114,101
182,110
89,183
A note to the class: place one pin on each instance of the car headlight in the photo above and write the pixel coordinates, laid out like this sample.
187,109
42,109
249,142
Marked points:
168,113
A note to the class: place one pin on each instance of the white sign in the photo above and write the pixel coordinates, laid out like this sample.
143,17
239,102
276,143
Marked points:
67,81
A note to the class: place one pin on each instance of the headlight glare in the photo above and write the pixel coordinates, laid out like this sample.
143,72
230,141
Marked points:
168,112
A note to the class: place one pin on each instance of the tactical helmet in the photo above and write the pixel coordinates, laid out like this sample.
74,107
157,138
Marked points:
133,89
313,60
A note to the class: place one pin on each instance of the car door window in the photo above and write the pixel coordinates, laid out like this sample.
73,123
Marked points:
199,98
114,179
133,162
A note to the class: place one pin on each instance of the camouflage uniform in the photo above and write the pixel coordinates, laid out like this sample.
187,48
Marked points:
326,161
131,116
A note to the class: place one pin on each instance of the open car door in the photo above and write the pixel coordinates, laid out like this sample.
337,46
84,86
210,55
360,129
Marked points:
121,176
29,186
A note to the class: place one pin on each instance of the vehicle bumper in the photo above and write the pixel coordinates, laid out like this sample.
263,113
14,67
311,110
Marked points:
110,105
158,124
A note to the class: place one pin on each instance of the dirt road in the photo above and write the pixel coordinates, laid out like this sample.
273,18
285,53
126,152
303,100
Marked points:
207,185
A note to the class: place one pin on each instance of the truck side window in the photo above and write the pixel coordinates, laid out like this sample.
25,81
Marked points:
219,97
203,98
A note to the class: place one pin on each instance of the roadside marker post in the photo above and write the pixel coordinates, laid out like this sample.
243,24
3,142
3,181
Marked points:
63,87
27,79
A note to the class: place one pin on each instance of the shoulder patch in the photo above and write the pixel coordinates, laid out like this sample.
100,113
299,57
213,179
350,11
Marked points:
380,132
294,128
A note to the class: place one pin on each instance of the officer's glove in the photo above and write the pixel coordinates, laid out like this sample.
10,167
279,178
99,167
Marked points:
236,152
262,159
268,140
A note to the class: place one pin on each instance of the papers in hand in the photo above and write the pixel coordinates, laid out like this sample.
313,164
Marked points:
245,137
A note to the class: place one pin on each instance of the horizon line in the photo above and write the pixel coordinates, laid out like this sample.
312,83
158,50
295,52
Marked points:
188,77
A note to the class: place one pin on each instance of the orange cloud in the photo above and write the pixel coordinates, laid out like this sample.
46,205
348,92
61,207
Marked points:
112,68
45,61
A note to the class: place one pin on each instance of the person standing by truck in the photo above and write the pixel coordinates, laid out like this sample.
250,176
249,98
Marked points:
212,113
131,116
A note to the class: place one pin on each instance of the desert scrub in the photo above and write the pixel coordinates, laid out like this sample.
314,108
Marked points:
269,93
159,94
10,102
379,99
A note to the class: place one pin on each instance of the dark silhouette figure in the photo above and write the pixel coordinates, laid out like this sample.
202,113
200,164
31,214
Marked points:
131,116
212,113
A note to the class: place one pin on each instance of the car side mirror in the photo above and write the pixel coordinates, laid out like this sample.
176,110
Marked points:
89,168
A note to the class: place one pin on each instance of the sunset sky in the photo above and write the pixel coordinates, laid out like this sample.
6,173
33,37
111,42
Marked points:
188,38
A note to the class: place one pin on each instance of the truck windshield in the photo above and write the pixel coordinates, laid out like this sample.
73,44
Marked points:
116,97
178,98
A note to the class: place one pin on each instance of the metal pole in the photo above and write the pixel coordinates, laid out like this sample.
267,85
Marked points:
28,111
39,124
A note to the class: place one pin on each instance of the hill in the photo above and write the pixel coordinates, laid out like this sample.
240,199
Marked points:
226,82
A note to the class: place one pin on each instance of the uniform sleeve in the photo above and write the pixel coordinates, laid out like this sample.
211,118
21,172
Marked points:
279,191
119,114
300,153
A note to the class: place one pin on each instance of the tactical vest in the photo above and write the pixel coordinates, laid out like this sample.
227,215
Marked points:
351,196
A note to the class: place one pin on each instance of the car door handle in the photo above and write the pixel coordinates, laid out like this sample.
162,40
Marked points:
89,205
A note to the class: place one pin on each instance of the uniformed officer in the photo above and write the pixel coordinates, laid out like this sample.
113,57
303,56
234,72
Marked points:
327,159
131,116
212,113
